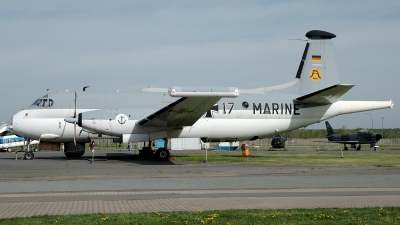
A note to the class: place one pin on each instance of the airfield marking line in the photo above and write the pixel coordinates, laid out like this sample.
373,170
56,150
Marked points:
121,193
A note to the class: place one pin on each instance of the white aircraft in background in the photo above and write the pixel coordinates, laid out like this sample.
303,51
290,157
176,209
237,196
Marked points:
8,140
212,114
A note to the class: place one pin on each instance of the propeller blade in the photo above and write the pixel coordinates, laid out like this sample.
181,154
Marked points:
76,96
74,133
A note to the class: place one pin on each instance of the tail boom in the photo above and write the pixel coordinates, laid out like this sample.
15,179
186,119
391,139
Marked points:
347,107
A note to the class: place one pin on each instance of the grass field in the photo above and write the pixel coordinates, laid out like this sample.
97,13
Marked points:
375,159
379,215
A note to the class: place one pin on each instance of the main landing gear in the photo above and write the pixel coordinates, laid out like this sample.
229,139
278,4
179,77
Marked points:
352,146
148,152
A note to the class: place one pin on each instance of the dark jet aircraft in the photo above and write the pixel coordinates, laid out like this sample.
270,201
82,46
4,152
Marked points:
361,137
278,142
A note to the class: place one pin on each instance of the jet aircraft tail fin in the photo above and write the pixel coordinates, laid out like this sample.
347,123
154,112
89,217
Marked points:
317,70
329,129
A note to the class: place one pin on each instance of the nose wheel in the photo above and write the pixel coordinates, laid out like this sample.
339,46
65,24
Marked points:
29,155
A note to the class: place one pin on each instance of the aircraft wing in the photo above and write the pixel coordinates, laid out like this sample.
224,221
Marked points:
327,95
183,112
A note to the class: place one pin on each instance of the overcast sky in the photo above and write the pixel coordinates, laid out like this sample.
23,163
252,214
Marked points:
129,45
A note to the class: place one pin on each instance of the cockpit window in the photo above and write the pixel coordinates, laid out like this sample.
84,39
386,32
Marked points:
43,102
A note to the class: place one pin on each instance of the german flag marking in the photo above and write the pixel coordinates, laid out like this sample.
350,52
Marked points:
316,58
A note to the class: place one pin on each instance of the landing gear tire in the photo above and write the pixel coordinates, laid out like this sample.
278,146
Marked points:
74,151
75,154
29,155
146,153
9,149
162,154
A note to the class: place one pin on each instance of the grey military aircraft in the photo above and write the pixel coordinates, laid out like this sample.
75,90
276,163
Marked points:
361,137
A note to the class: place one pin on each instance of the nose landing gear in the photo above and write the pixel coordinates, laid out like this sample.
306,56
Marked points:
29,155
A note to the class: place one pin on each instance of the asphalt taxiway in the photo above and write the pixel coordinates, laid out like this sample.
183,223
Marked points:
118,182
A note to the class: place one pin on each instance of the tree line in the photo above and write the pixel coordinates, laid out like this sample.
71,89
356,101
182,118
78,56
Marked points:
321,133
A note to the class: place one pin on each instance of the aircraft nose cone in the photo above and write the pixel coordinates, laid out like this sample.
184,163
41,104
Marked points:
378,137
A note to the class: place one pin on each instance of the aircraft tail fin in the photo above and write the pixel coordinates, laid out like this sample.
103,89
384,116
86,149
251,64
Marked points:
317,70
329,129
317,78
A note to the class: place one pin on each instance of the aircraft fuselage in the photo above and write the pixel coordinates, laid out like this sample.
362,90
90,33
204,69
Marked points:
246,117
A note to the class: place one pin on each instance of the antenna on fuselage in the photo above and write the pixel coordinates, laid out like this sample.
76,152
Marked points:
48,91
84,88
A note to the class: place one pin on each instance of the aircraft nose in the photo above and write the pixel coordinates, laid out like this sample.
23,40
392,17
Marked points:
378,137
